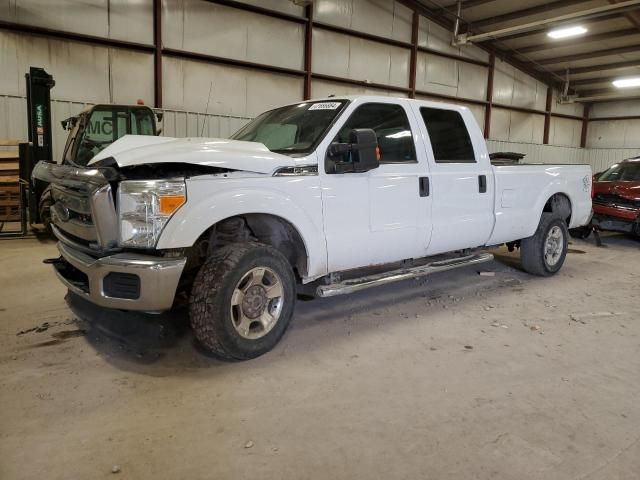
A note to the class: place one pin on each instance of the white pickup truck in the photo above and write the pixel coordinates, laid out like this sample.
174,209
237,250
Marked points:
332,195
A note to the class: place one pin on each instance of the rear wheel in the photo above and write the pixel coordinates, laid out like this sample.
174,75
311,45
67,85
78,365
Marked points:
242,300
544,253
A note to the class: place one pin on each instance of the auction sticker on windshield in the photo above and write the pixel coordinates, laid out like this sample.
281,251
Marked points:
324,106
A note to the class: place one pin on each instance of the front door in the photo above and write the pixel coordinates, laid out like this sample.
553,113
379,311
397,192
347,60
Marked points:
382,215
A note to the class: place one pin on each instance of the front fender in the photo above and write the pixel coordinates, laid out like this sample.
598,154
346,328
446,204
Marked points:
210,200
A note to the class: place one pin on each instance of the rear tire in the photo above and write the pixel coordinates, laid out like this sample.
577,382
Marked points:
544,253
242,300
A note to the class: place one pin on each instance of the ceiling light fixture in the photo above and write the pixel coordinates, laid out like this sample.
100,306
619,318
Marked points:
627,82
566,32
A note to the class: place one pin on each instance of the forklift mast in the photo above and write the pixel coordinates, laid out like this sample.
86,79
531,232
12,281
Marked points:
39,85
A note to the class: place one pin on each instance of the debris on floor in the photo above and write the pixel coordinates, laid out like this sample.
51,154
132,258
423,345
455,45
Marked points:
487,274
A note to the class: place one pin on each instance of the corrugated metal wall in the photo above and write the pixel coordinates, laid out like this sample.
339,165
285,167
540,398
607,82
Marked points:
88,74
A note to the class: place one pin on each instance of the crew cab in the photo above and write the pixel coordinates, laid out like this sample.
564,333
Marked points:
332,195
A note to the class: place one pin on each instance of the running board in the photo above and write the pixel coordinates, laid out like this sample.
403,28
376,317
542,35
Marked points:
362,283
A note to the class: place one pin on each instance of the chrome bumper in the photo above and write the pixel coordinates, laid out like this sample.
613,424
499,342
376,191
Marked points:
158,278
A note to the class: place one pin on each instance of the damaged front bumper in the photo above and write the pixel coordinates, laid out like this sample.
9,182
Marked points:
127,281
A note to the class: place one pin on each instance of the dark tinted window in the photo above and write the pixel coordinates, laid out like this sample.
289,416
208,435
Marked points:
449,136
392,128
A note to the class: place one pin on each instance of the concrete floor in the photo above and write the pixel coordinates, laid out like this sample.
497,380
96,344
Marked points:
459,376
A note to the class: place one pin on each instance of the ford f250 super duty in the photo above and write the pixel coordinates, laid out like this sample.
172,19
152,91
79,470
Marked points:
334,195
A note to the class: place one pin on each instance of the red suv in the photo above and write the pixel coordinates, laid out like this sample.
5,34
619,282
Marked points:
616,201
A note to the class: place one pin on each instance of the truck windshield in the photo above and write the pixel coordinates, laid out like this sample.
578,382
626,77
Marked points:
623,172
105,125
292,130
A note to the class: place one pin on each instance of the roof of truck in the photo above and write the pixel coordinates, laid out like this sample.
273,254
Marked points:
381,98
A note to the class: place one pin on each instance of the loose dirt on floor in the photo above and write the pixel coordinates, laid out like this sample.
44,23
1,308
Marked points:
457,376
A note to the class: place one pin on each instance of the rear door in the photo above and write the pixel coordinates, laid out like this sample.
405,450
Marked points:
461,177
382,215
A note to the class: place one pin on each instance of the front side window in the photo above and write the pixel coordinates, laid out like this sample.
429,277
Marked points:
391,125
622,172
292,130
449,136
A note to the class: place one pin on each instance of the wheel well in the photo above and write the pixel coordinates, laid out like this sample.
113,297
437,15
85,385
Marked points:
560,205
257,227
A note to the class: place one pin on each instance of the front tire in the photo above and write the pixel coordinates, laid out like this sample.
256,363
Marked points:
242,300
544,253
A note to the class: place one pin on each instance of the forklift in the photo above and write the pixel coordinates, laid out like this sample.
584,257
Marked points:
90,131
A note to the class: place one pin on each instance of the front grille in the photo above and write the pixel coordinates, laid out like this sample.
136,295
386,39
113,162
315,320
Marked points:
615,201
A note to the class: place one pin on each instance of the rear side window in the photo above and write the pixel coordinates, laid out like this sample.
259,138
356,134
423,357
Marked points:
391,125
449,136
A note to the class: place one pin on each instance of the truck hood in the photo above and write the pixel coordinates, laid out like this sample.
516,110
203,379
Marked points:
627,190
133,150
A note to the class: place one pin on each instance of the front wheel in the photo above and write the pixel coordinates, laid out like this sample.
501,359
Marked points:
242,300
544,253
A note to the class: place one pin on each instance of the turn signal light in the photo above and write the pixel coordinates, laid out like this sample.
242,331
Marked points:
170,203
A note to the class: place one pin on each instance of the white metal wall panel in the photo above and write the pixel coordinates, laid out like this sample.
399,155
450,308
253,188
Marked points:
227,32
81,71
382,17
131,76
191,124
513,87
614,134
564,131
472,81
432,35
89,17
507,125
449,77
322,88
131,21
615,109
119,19
284,6
358,59
234,91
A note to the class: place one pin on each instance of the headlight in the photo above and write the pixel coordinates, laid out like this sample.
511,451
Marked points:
145,207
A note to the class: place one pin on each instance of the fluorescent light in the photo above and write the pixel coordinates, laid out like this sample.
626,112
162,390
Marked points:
567,32
627,82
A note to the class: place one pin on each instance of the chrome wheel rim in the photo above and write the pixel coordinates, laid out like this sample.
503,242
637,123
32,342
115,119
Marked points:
553,246
256,303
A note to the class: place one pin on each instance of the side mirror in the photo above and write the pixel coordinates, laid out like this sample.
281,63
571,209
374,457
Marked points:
363,150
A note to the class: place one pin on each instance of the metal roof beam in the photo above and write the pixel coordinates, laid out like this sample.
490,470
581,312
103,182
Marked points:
621,7
588,55
601,68
526,12
627,32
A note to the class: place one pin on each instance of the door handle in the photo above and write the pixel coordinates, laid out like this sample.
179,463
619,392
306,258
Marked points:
482,183
424,186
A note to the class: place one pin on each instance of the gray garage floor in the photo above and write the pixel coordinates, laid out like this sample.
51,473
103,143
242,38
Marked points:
460,376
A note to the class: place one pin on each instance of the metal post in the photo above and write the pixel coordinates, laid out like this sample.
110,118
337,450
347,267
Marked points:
415,25
489,105
157,54
308,50
547,116
585,125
